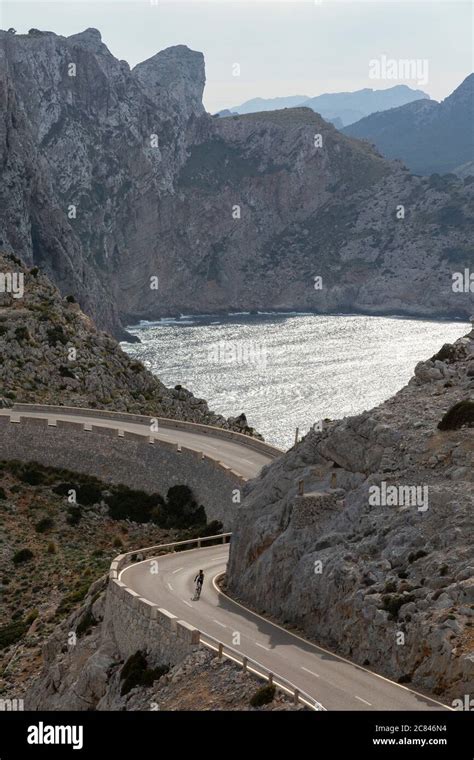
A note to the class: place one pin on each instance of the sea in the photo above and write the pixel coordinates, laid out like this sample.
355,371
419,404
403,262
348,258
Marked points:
289,371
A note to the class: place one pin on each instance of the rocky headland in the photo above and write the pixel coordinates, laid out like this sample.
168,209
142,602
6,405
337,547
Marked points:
361,535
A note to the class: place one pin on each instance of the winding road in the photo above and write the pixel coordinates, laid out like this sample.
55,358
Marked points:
244,460
333,681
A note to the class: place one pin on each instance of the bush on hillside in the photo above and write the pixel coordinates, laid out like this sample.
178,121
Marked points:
127,504
460,415
136,672
181,510
263,696
22,555
12,632
47,523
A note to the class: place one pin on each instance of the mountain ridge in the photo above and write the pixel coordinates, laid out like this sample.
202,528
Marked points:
128,196
430,137
345,107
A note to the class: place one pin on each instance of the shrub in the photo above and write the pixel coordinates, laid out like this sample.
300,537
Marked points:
125,503
47,523
86,622
88,494
23,555
21,333
413,556
393,602
34,271
3,495
32,476
263,696
70,600
182,511
73,516
31,617
136,672
66,372
12,632
51,548
62,489
56,335
460,415
117,542
70,299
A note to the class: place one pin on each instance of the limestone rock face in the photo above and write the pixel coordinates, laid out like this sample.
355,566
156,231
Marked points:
53,353
112,177
352,566
176,73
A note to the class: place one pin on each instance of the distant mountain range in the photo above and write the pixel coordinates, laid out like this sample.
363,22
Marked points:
429,137
340,108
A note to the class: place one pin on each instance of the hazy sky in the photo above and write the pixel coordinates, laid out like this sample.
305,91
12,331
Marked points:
286,47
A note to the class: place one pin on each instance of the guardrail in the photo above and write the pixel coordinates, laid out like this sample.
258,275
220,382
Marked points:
252,666
166,422
223,650
121,561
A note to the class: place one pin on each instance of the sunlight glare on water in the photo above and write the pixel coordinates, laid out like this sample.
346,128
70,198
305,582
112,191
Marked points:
288,371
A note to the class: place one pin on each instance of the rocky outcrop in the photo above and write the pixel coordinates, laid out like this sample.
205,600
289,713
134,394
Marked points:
120,187
85,671
374,558
53,353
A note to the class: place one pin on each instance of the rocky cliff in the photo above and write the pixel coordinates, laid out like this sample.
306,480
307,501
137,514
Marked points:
374,559
51,353
120,187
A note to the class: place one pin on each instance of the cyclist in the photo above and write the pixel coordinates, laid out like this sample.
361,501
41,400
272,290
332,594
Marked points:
199,580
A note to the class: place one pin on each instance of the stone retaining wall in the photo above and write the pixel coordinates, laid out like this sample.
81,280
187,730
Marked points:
137,461
137,624
190,427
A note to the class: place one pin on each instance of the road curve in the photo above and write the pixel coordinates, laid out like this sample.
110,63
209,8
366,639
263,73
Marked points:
244,460
334,682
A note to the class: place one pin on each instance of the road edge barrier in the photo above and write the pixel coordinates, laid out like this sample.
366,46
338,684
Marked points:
192,635
165,422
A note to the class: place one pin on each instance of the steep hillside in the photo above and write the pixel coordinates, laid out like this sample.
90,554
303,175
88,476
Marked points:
378,573
427,136
120,187
67,549
52,353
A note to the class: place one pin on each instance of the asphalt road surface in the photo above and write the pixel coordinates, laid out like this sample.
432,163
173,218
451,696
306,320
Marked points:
239,457
334,682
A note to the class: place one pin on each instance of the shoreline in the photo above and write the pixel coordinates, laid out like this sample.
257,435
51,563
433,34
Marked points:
185,320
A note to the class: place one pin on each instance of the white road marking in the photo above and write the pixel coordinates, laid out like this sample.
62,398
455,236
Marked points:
262,646
188,603
219,623
362,700
170,587
310,671
178,570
